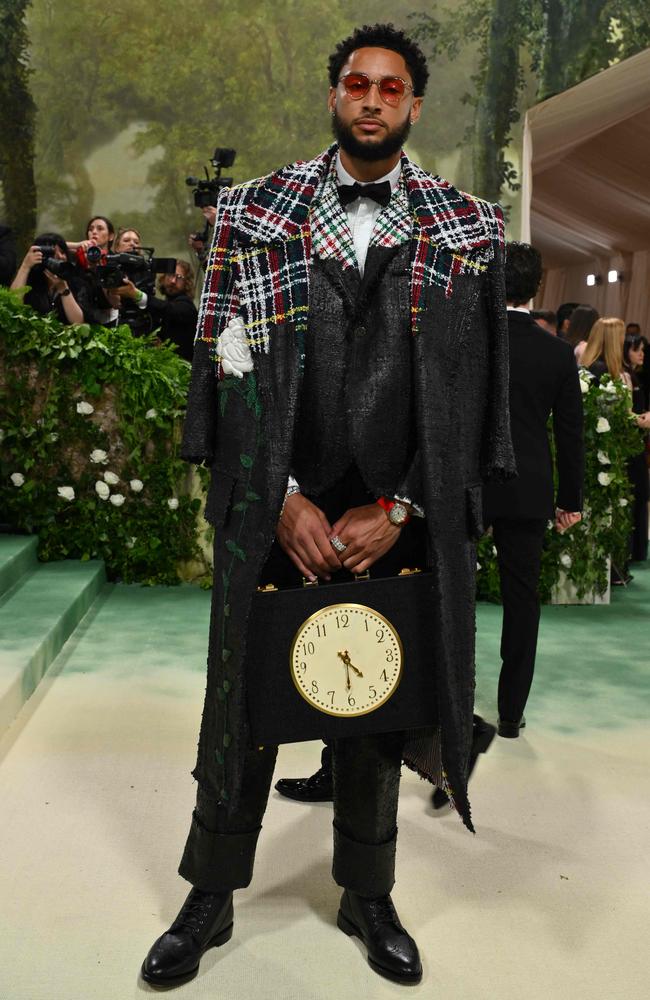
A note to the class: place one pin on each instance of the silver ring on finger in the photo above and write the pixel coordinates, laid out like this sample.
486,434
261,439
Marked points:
337,544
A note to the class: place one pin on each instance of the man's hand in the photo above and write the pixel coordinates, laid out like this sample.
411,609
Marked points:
304,533
368,534
565,519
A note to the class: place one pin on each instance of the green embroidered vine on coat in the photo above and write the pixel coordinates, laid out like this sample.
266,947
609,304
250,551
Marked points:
247,389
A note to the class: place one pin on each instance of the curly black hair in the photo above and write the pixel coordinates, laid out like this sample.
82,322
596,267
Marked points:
523,271
381,36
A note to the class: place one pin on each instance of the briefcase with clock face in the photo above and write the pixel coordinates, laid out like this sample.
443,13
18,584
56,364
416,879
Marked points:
338,660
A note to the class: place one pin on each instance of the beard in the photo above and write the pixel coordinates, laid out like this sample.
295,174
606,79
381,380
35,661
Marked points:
369,151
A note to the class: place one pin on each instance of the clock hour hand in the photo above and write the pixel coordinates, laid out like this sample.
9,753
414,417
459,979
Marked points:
345,656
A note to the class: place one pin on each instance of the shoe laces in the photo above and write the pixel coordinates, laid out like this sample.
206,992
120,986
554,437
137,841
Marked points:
194,911
384,910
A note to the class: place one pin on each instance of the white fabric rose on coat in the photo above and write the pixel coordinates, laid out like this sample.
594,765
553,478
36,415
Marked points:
603,458
566,560
99,456
102,490
17,478
172,503
111,478
117,499
65,492
602,425
136,485
604,478
85,408
233,349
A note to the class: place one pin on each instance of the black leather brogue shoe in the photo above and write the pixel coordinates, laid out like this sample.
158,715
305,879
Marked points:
510,730
317,788
392,952
205,921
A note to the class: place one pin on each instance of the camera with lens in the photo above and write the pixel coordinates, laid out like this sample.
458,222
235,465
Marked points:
207,191
114,269
61,268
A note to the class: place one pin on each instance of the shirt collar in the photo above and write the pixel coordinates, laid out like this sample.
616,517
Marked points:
518,309
343,177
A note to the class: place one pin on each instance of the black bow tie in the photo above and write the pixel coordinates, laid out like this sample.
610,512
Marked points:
380,192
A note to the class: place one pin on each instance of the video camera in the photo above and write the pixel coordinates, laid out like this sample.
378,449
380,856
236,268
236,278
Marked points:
207,191
115,269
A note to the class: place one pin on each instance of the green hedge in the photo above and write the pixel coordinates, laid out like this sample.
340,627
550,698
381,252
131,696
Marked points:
52,375
91,424
611,438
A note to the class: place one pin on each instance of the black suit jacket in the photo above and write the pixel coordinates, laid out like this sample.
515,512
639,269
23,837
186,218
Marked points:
543,380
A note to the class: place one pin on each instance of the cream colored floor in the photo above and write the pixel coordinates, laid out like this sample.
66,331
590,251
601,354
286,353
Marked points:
548,900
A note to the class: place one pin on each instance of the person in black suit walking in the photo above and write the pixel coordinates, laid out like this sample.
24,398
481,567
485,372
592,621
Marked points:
543,381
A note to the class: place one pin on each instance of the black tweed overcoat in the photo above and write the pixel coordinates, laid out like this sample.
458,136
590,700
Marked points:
243,429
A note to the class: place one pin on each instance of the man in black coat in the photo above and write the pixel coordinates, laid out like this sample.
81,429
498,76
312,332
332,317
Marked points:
543,380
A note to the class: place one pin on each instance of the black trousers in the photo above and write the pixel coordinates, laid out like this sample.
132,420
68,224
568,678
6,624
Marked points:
519,543
220,850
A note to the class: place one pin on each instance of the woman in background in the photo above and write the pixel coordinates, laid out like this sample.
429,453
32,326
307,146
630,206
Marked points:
61,294
634,349
580,325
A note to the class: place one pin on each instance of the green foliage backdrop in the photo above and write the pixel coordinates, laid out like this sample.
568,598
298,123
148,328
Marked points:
89,445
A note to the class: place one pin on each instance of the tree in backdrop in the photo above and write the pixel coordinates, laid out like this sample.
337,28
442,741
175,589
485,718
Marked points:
528,51
16,124
251,75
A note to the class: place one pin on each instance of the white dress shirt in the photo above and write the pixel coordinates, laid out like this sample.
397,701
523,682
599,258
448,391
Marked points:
362,213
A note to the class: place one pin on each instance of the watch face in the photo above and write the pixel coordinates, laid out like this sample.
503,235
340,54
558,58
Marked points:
397,514
346,660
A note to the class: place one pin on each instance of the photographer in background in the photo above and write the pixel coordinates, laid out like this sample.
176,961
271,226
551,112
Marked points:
200,242
132,297
176,313
56,288
7,255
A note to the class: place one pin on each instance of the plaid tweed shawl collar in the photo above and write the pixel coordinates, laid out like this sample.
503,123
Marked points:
278,209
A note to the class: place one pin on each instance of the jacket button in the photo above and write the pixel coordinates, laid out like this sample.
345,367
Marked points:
360,331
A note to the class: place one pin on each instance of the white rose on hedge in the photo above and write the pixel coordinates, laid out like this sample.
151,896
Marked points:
136,485
99,456
233,349
478,566
151,414
566,560
603,458
584,387
604,478
2,436
65,492
623,502
172,503
610,387
131,542
602,425
102,490
17,478
111,478
117,499
85,408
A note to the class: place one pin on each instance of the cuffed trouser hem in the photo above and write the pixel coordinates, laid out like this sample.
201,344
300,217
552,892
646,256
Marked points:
218,862
366,869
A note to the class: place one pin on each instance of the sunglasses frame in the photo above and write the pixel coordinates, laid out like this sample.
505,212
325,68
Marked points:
378,81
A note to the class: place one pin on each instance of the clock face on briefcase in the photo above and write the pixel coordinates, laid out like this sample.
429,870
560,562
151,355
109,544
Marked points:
346,660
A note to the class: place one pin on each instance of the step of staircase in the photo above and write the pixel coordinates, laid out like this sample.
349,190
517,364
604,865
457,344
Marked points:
17,556
38,613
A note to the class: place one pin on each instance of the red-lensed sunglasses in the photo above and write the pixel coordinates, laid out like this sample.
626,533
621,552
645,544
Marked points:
392,89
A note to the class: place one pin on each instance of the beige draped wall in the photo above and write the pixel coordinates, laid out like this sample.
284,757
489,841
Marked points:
586,191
